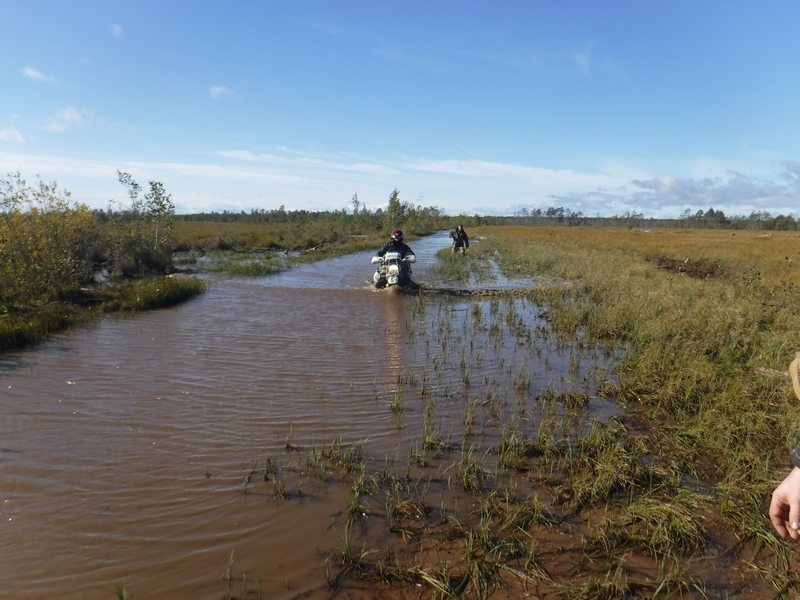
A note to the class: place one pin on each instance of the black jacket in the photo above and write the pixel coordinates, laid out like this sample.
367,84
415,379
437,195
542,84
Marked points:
393,246
460,238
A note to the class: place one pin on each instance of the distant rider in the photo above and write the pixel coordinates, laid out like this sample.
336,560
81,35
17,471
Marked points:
460,240
396,245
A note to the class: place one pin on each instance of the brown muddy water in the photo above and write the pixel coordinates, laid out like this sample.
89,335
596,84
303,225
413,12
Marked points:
126,447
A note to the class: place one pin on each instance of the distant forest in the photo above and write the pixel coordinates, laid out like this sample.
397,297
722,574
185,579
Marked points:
553,216
710,219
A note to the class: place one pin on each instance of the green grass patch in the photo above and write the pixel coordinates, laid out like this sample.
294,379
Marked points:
251,268
149,294
20,328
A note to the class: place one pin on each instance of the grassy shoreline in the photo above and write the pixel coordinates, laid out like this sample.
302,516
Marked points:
21,328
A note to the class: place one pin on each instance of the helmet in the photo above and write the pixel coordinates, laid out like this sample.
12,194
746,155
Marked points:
397,235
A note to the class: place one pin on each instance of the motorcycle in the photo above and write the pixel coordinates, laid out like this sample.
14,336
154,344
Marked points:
393,269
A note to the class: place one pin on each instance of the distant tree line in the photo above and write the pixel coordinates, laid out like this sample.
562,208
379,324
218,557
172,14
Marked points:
419,219
416,219
710,219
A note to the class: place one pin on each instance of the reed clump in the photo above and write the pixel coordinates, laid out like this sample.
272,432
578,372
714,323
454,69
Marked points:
662,525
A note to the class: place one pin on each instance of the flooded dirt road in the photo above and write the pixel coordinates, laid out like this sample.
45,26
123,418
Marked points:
127,448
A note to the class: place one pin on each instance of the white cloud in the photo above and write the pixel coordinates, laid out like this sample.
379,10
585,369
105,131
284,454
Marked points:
243,179
668,196
307,161
116,30
218,91
583,58
63,120
328,28
36,75
542,178
391,52
11,134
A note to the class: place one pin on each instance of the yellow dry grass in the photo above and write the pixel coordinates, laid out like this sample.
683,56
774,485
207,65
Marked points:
775,254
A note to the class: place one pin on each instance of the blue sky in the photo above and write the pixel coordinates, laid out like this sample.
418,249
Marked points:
474,107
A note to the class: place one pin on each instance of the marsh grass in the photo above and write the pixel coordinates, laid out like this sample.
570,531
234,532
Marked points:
513,448
471,471
279,487
661,525
211,237
452,266
475,265
228,577
614,586
397,404
252,268
150,294
537,493
120,591
503,541
676,578
696,347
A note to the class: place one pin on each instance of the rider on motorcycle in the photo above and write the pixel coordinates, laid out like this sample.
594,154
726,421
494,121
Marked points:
396,245
406,255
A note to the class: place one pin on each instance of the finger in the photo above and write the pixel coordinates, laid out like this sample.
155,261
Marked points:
794,518
777,515
780,527
795,377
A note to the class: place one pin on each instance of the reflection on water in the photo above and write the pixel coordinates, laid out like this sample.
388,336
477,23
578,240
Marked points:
123,446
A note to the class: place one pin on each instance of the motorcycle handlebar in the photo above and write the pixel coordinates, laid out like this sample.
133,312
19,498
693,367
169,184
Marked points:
410,258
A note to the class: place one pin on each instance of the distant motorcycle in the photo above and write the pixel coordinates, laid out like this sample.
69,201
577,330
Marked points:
393,270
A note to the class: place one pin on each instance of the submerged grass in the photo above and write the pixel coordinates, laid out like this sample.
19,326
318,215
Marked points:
476,263
697,347
251,268
642,504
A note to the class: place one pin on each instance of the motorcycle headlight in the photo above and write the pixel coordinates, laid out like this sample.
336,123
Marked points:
393,270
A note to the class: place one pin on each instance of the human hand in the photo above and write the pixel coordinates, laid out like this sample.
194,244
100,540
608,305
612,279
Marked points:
784,510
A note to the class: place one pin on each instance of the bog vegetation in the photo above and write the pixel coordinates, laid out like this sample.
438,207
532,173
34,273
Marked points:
59,264
532,494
